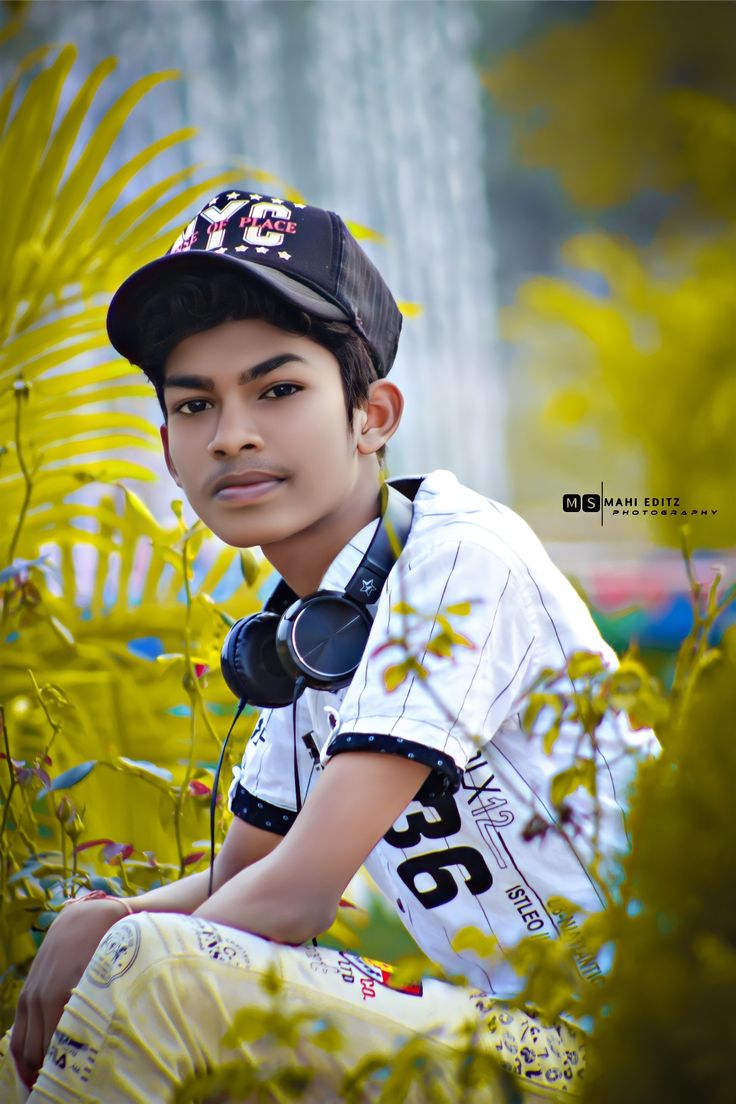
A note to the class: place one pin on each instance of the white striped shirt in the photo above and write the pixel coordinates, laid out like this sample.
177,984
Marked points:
456,857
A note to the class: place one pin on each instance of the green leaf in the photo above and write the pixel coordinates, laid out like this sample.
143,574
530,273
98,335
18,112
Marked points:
79,181
144,769
70,450
473,939
248,566
121,227
550,737
440,645
24,66
142,514
61,630
62,143
23,144
536,702
394,675
358,230
146,236
563,906
61,425
53,482
69,778
625,686
581,773
418,668
403,608
582,664
97,209
460,609
90,379
328,1038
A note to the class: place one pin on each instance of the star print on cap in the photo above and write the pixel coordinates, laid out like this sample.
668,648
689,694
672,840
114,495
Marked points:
304,253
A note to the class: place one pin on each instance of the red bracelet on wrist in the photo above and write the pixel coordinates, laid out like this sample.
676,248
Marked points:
100,895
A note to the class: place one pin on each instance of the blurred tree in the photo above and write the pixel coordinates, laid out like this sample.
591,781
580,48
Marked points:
630,359
666,1029
633,363
600,101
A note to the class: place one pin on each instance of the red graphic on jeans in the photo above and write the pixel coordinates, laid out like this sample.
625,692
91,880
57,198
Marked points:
380,973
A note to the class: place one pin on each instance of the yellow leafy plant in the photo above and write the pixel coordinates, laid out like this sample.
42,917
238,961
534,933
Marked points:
110,694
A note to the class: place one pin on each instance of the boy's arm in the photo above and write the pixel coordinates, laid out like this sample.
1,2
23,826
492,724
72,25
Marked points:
244,844
293,893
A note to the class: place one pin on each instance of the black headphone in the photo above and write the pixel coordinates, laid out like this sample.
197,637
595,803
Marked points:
318,640
269,658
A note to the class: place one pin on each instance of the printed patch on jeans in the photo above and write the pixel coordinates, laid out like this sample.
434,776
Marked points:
381,973
115,955
541,1054
71,1055
219,947
317,960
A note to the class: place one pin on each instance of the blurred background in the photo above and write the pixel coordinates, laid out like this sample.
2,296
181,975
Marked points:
547,187
549,184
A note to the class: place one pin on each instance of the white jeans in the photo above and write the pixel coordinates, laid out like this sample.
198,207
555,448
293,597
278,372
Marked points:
162,989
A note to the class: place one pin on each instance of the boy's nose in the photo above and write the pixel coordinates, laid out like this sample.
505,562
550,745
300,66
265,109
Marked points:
233,433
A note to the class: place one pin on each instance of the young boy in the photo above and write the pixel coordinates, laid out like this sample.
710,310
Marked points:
268,335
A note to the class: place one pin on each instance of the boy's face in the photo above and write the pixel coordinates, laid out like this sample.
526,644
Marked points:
288,425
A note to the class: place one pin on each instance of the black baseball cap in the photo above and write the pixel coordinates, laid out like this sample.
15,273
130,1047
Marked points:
304,253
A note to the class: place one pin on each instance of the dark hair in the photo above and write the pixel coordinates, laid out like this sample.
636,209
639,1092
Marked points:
196,303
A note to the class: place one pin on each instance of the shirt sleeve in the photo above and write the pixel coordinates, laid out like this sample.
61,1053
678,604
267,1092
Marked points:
262,791
444,718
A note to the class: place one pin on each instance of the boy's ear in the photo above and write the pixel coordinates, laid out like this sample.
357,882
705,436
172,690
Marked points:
164,431
380,418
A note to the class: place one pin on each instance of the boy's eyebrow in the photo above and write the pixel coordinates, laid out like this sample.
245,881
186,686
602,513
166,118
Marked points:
202,383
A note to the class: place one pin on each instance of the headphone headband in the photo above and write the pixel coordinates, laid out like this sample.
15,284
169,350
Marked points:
317,640
369,577
371,573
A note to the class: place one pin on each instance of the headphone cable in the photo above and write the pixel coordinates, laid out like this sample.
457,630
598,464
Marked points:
298,687
213,801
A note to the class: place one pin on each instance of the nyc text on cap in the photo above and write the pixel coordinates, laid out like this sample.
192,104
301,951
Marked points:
304,253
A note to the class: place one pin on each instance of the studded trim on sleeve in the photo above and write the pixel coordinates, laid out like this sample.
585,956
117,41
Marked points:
260,813
444,778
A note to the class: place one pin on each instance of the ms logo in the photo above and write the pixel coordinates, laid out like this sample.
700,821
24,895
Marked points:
574,503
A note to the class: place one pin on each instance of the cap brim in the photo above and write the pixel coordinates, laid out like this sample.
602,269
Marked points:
125,305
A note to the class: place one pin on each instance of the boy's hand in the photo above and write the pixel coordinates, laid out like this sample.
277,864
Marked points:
59,964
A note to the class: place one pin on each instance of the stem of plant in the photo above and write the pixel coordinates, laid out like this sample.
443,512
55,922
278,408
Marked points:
20,394
55,728
124,877
63,855
6,810
190,683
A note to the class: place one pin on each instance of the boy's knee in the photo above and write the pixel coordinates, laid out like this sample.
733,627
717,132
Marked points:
136,942
151,942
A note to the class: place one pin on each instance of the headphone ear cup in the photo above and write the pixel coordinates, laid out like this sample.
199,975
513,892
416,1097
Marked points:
322,639
250,664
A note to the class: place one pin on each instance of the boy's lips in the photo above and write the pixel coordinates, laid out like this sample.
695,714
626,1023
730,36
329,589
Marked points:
249,477
244,486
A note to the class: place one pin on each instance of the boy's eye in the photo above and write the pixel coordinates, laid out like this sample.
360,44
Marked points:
291,389
190,402
276,387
